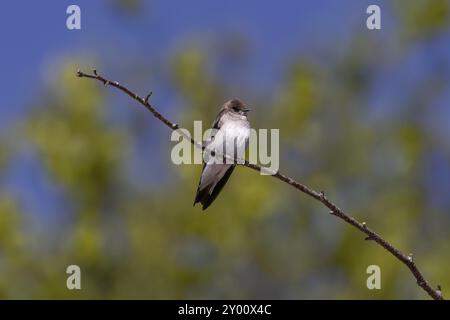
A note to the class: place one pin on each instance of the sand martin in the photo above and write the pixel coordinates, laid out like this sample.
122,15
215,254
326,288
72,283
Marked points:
232,135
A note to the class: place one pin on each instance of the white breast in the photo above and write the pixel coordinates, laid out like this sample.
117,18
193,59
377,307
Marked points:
236,133
233,136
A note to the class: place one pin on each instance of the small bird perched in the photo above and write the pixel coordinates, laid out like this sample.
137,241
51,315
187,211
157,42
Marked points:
233,134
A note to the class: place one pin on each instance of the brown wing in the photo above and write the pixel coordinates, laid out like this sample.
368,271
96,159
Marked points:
204,196
216,123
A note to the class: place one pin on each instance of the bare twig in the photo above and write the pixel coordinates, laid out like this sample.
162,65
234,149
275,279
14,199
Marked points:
320,196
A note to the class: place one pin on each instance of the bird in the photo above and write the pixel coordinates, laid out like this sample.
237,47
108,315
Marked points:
233,131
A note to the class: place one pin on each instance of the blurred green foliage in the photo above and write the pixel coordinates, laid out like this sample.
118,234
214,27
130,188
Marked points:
262,241
422,19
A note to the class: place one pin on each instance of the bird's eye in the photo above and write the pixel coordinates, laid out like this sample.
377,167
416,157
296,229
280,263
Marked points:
236,109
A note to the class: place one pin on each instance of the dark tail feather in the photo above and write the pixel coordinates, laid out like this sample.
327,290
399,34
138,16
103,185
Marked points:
203,195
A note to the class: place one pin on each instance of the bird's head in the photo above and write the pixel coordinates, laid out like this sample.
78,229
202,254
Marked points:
236,106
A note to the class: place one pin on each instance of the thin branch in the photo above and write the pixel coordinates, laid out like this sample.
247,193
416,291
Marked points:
407,260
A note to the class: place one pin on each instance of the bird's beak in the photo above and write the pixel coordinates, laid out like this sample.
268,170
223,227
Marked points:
247,110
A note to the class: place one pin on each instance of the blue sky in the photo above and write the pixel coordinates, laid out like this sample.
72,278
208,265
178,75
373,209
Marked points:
34,35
